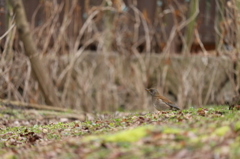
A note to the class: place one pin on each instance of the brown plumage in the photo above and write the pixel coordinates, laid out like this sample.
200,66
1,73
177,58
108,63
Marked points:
160,102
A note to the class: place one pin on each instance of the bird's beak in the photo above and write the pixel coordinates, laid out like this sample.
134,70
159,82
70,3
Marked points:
147,89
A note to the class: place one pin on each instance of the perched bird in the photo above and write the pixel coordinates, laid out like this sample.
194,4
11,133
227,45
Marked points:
161,102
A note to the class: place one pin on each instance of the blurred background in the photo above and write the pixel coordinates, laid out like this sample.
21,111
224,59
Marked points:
102,54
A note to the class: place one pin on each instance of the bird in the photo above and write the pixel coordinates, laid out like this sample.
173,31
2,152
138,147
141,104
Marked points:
160,102
234,103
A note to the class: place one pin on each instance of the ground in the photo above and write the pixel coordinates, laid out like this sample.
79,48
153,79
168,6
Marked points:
208,132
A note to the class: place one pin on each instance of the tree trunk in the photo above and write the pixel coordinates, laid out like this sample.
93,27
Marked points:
189,33
40,72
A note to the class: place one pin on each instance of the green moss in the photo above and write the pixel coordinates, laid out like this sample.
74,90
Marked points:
221,131
129,135
171,130
237,126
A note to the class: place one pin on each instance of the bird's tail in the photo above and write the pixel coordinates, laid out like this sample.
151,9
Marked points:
173,106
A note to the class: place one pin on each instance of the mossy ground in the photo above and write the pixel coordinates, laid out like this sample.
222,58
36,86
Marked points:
192,133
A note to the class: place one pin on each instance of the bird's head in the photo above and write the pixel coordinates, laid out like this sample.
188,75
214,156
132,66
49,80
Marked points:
152,91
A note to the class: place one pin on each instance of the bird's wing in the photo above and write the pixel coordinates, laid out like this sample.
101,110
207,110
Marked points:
168,102
165,99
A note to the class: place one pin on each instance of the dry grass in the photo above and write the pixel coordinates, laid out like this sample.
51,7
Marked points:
108,83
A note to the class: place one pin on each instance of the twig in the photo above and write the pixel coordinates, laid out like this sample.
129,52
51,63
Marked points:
200,42
146,29
6,33
176,29
210,87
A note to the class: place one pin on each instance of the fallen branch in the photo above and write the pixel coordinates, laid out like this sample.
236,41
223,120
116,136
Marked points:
30,106
22,105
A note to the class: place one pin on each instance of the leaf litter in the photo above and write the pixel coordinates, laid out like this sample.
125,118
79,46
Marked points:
209,132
